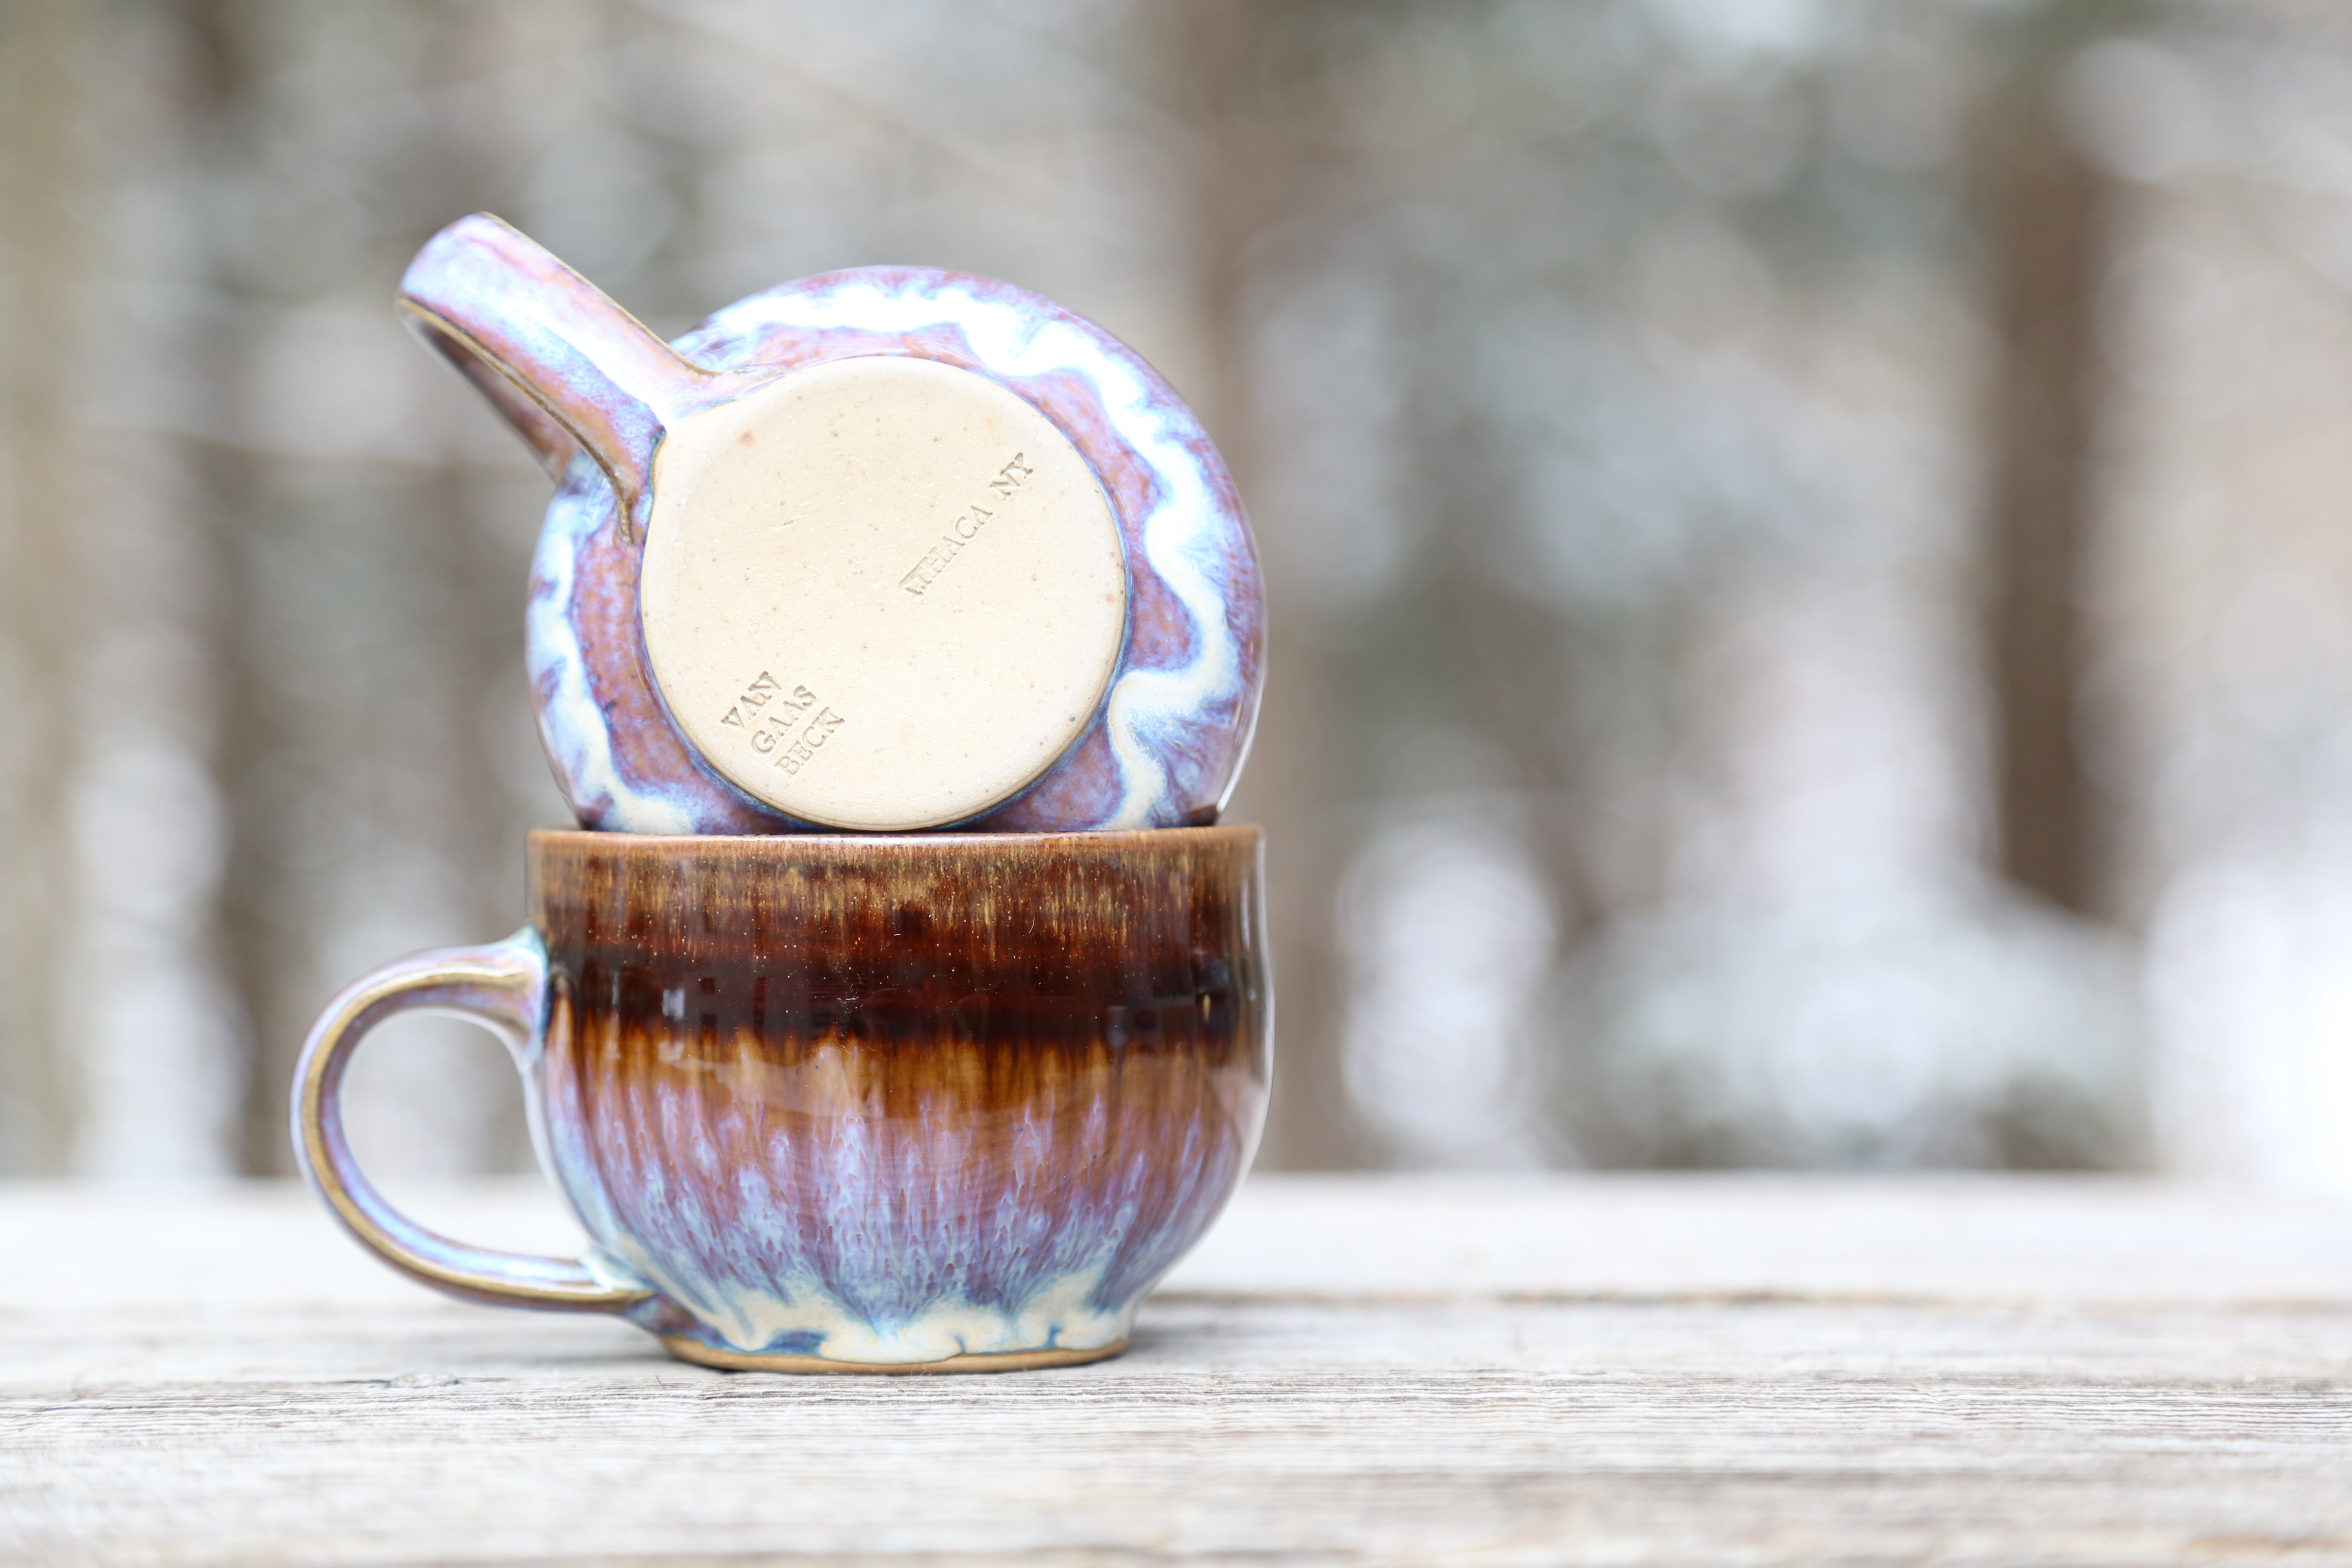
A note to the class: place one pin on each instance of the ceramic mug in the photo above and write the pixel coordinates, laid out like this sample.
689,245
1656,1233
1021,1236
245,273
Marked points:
888,549
916,1103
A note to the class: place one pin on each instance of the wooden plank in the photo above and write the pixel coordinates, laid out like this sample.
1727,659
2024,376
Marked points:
1772,1432
1631,1399
1950,1237
1960,1239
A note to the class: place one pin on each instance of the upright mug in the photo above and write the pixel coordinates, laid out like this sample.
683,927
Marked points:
933,1102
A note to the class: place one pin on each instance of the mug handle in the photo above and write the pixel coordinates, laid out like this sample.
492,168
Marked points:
504,988
569,369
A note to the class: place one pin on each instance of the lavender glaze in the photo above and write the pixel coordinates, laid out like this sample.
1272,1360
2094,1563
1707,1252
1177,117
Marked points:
591,392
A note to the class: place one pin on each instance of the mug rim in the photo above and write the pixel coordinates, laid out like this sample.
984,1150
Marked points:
763,845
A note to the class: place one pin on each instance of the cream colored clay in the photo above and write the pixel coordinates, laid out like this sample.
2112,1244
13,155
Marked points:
881,593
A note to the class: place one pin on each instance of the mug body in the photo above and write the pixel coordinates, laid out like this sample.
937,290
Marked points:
898,1101
986,552
1162,743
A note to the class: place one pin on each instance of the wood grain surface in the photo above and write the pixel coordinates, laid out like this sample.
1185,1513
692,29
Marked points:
1659,1369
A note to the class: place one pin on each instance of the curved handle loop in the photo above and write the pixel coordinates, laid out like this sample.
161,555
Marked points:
569,368
503,986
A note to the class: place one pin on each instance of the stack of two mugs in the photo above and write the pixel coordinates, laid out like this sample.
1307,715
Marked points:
897,637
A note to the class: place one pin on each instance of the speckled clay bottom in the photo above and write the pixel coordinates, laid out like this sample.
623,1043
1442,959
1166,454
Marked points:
688,1349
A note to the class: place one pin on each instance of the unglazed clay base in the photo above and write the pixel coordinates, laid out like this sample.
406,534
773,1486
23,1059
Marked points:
880,593
695,1350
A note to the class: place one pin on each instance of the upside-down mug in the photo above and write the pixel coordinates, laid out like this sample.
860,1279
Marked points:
910,1103
881,550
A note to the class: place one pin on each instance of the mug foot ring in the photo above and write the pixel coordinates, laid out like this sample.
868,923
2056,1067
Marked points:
693,1350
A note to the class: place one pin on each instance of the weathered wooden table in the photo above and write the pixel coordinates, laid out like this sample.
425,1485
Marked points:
1679,1370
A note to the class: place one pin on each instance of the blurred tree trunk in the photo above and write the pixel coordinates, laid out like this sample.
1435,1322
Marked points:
1249,172
220,75
369,610
2043,208
40,268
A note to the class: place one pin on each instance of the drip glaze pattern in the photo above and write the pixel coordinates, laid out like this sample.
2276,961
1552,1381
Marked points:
856,1101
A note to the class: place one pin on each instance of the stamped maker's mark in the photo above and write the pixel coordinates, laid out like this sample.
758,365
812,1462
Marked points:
966,527
786,727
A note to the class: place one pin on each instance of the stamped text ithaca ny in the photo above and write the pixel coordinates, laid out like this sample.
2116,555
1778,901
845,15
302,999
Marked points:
966,527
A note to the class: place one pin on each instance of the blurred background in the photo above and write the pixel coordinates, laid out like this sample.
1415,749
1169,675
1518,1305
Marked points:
1810,540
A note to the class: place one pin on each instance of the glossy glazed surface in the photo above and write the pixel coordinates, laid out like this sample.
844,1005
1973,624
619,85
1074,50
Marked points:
592,393
890,1100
